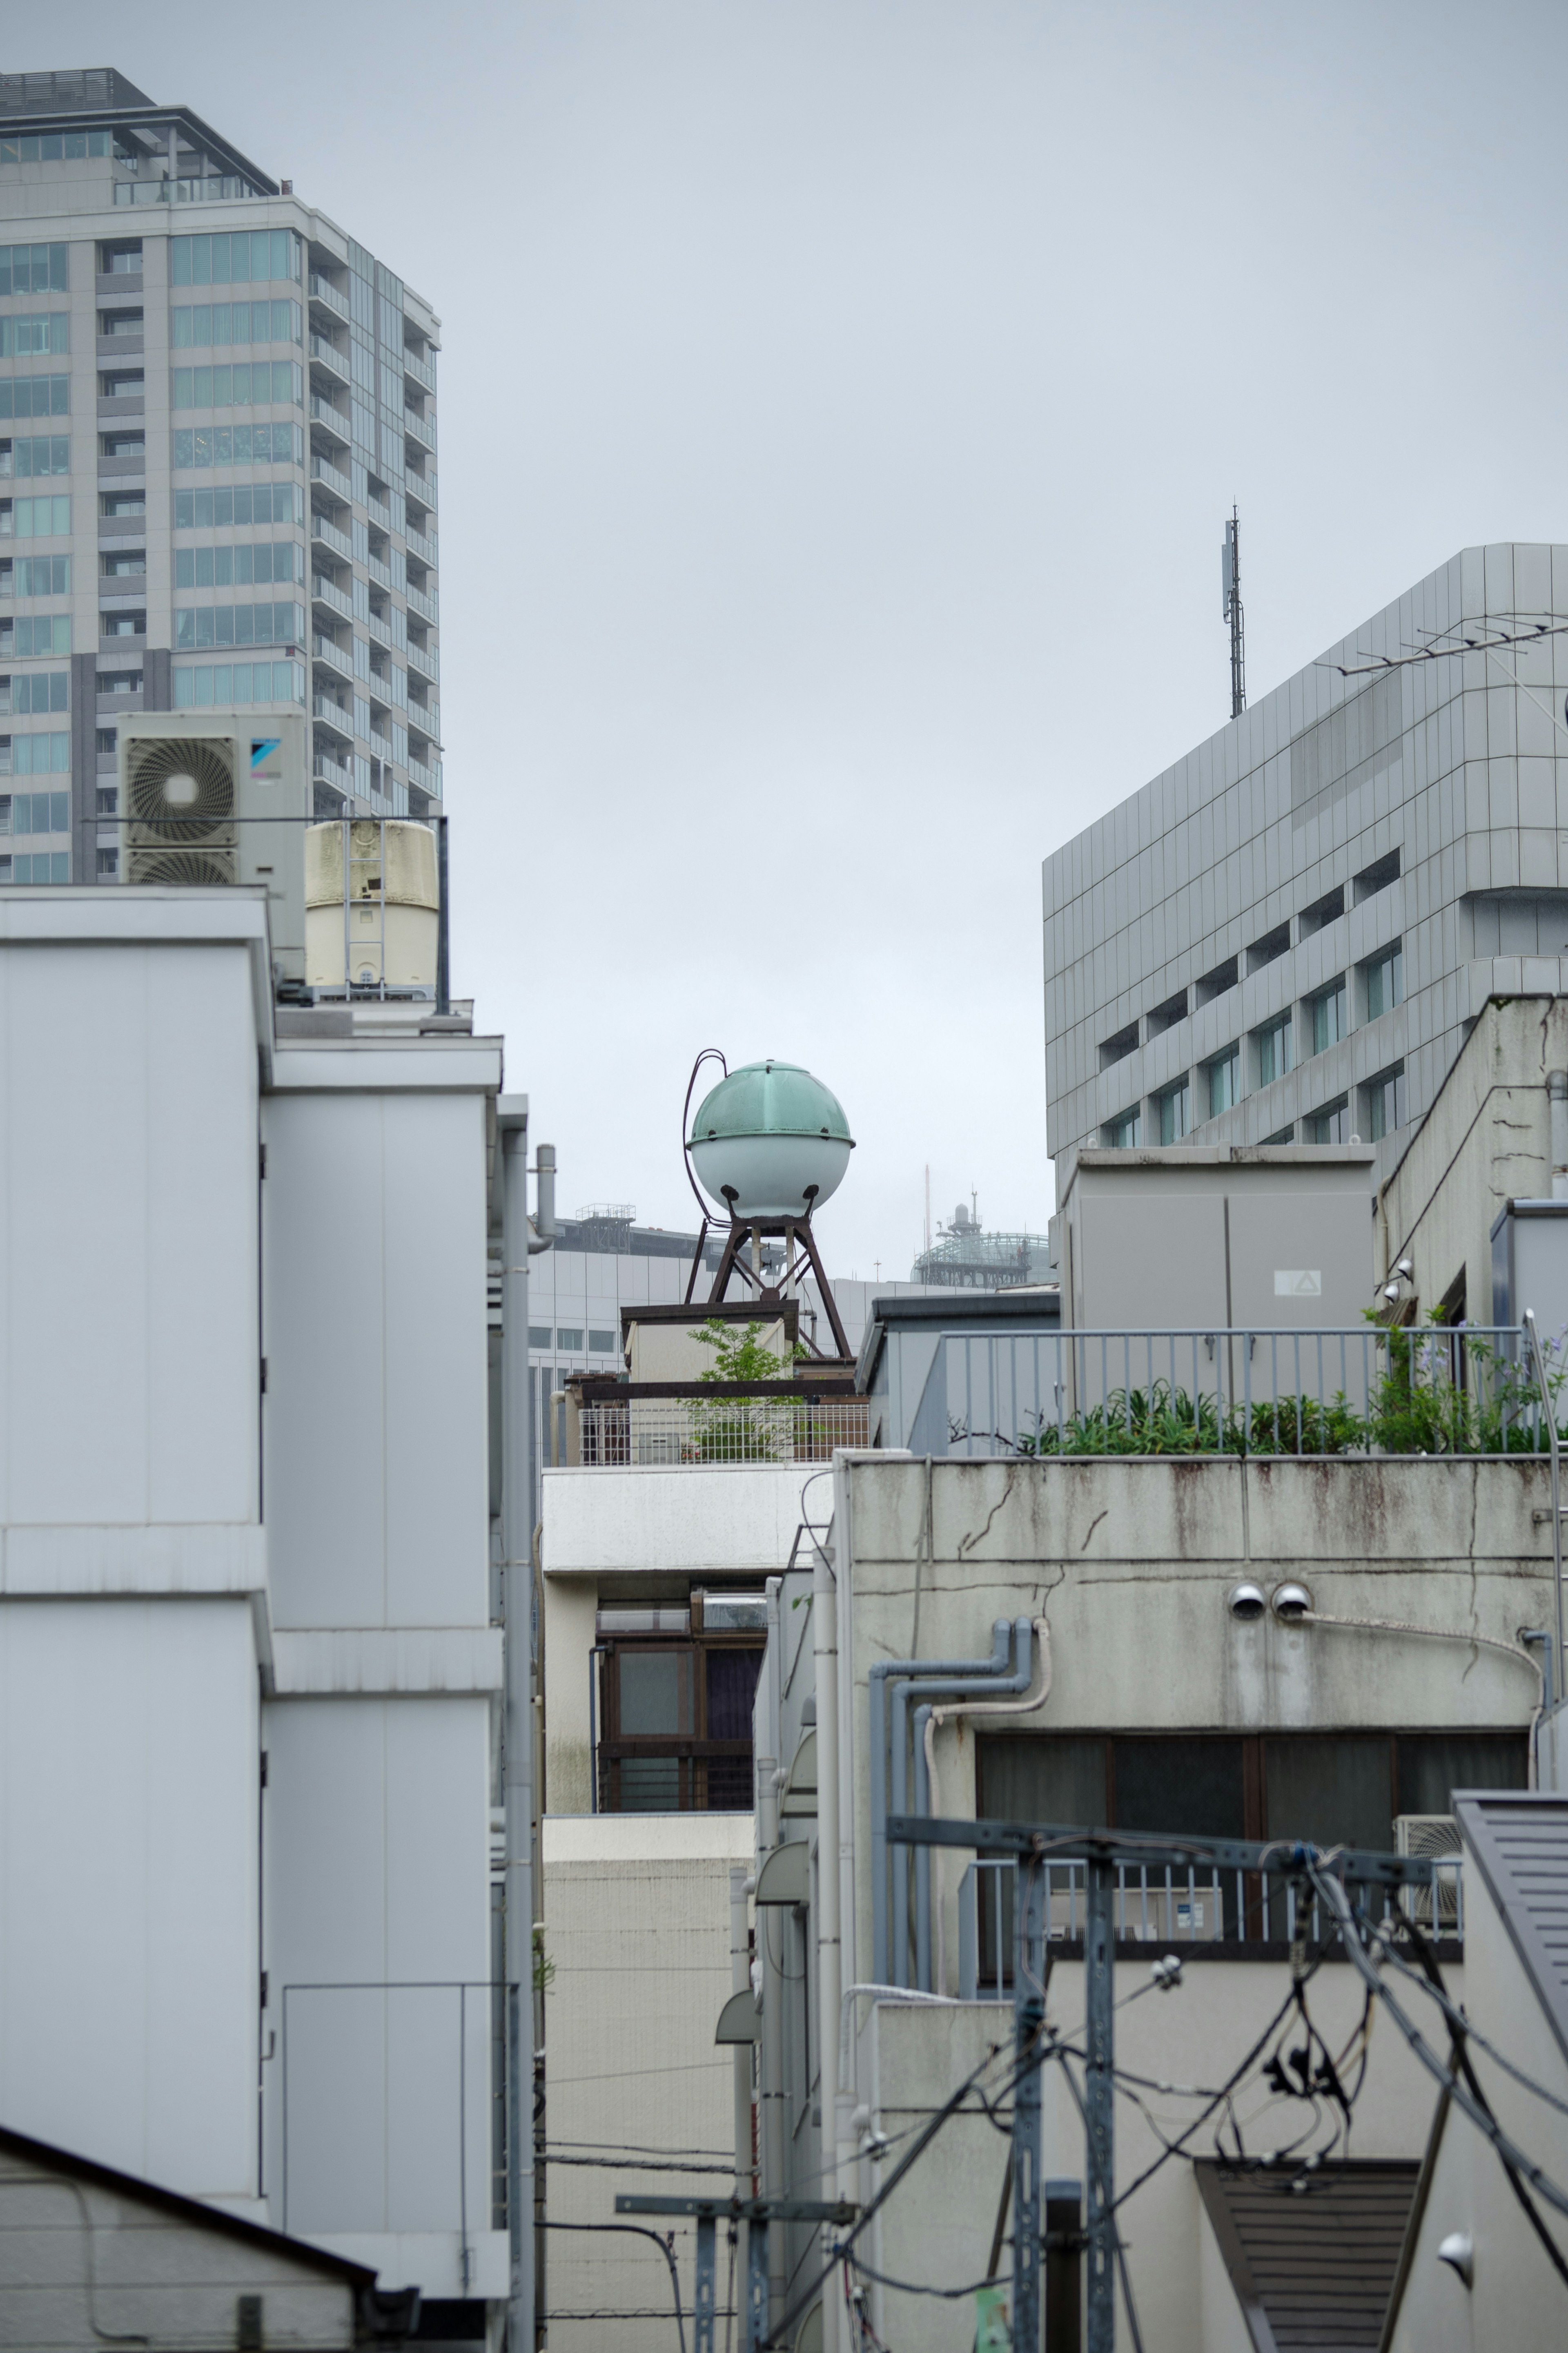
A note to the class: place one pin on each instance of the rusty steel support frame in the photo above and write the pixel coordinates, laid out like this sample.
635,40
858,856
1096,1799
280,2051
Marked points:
800,1251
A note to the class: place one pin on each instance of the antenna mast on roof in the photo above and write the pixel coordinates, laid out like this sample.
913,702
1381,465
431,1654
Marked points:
1230,581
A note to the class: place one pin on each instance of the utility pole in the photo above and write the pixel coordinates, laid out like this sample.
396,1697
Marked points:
1230,581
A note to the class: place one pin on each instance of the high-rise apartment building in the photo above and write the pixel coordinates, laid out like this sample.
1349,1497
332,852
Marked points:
1288,935
218,468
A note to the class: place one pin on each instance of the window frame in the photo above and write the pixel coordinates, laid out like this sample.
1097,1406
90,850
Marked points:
693,1752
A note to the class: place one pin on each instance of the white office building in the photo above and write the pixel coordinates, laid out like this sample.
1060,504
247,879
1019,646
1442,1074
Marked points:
248,1673
218,468
1287,935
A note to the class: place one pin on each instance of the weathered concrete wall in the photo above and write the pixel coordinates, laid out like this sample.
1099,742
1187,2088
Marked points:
636,1922
1486,1139
1132,1562
936,2227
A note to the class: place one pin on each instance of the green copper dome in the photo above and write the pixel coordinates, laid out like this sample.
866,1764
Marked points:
769,1099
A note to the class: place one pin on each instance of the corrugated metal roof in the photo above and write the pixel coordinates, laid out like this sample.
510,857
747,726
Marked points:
1519,1841
1313,2269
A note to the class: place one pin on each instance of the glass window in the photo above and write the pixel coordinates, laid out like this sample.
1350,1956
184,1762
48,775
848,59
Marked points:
239,444
1432,1765
571,1340
198,626
1328,1012
237,256
1274,1051
34,269
36,634
108,864
199,686
1384,1104
41,453
1120,1134
1224,1077
655,1694
38,575
601,1344
234,387
1385,982
1195,1784
34,333
539,1335
192,324
1332,1125
48,518
35,395
115,503
32,691
1282,1136
245,502
1174,1110
1337,1792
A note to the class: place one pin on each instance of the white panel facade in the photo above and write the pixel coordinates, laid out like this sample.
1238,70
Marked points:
377,1393
1452,771
129,1931
377,1912
129,1345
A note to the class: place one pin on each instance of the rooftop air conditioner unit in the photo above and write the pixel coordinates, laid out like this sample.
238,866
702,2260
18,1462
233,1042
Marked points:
1438,1836
209,799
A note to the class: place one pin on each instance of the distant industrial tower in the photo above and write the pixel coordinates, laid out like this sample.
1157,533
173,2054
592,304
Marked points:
964,1257
1230,581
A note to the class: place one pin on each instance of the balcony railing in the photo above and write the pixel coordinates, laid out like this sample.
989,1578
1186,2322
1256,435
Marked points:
333,714
334,421
428,665
322,290
738,1426
422,544
322,592
420,370
423,428
323,471
1370,1390
329,357
182,192
333,656
1178,1908
331,536
419,602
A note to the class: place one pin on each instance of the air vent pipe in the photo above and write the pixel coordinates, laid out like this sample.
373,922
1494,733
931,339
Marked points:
1018,1680
1557,1096
992,1676
882,1672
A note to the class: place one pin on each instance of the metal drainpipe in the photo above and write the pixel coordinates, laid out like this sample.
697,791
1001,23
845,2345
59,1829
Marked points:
740,1982
517,1551
882,1672
772,2096
937,1679
1018,1680
824,1663
1557,1095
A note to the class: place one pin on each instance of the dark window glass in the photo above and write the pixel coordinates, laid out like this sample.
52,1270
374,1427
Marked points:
1054,1779
732,1684
1336,1792
1181,1785
1433,1765
655,1693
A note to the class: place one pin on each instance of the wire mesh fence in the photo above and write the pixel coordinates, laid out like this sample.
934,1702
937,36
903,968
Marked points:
721,1429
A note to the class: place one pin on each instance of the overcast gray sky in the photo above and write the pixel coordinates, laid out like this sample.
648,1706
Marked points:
840,401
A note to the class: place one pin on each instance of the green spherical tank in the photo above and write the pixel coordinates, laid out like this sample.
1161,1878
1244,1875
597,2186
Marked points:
771,1140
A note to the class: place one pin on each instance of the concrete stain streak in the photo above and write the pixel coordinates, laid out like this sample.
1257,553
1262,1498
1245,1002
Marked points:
1091,1527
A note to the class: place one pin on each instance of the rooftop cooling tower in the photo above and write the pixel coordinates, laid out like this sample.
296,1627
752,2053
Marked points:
372,906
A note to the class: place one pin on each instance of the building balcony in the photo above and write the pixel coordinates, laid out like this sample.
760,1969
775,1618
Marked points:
428,779
329,535
125,343
379,629
419,602
327,295
617,1425
418,371
332,421
420,428
427,665
323,593
322,470
420,487
378,570
379,508
420,544
333,714
322,649
327,355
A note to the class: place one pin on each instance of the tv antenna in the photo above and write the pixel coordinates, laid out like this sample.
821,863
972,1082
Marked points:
1230,581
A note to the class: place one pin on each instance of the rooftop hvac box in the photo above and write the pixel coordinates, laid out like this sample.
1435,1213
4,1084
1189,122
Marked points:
1529,1266
215,797
1196,1238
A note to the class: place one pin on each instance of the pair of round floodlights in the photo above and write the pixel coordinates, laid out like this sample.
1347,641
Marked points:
1290,1603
